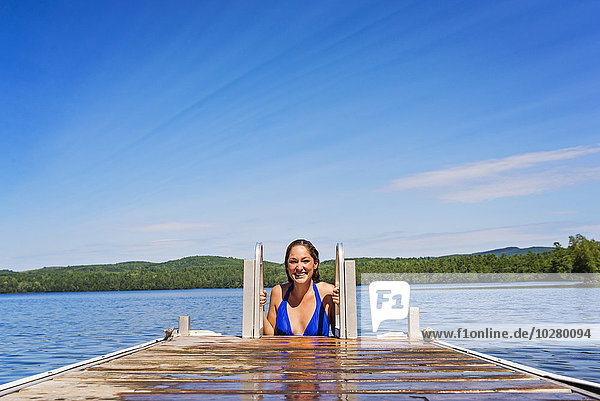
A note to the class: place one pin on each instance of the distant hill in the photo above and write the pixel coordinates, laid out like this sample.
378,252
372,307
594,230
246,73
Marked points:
227,272
513,250
188,272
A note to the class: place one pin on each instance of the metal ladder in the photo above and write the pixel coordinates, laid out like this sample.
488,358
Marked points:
345,279
252,317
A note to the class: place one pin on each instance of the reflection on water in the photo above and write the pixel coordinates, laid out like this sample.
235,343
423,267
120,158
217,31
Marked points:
45,331
307,369
508,308
301,375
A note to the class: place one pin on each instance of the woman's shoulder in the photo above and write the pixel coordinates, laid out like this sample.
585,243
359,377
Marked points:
278,290
325,288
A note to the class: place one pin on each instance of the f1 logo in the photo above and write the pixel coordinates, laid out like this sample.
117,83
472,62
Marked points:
389,301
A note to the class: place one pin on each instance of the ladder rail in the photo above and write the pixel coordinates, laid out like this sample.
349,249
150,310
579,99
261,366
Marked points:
259,285
340,283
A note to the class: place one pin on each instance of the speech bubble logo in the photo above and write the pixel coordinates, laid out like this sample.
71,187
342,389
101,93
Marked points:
389,301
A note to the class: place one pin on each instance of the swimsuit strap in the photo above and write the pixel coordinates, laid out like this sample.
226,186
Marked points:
282,326
317,296
318,324
287,294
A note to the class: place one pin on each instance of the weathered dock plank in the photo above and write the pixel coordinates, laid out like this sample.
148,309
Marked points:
199,368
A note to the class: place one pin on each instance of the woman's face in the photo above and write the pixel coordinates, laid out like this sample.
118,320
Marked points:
300,264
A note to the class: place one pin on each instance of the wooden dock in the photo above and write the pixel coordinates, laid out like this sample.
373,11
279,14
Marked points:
200,368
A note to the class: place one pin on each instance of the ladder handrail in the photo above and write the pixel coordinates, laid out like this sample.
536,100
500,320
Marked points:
345,280
252,313
340,310
259,285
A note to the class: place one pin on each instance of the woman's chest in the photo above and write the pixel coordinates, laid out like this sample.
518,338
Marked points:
301,315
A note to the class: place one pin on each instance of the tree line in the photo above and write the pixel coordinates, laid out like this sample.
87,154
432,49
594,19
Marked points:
582,255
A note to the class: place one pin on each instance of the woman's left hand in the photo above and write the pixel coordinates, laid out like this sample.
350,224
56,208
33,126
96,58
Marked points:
336,295
262,298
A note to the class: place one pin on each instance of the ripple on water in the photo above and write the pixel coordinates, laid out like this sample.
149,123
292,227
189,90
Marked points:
56,329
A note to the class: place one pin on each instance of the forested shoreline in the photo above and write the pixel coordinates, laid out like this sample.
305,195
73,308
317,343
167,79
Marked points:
581,256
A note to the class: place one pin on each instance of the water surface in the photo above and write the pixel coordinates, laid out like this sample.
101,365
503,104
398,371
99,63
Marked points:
49,330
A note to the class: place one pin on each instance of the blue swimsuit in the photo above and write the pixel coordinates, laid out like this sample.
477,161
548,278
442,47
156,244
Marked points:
318,325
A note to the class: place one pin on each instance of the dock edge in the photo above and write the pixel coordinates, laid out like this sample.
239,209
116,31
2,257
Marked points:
584,387
19,384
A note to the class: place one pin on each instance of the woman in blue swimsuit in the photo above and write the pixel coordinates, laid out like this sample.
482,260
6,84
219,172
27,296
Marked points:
304,305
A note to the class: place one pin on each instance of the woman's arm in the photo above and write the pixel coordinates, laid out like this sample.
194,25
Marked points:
331,298
270,319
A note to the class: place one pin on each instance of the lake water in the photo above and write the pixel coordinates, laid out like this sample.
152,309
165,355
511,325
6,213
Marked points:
46,331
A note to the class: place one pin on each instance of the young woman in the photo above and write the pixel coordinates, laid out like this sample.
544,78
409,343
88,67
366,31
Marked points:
304,305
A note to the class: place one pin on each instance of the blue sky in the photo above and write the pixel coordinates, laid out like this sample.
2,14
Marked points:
154,130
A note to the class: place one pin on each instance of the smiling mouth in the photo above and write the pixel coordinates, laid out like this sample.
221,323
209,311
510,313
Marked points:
299,275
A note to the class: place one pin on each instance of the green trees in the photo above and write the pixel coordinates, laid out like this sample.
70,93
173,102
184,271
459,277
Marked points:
581,256
560,262
585,254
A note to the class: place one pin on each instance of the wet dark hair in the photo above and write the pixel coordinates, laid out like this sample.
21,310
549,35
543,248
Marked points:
313,253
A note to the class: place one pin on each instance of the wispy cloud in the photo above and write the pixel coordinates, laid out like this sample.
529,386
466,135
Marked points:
592,230
498,178
528,184
444,243
563,212
149,247
172,227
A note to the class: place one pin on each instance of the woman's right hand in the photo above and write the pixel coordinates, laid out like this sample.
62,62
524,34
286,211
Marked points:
336,295
262,298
